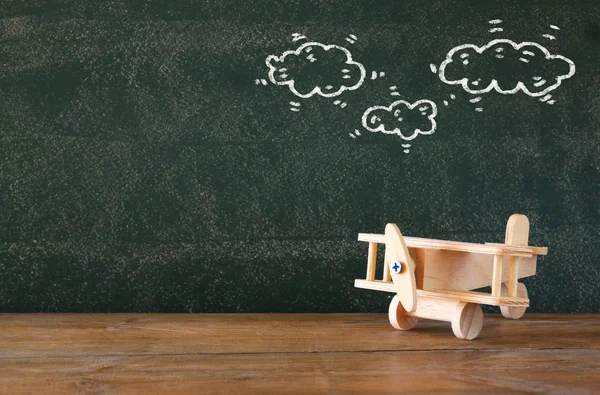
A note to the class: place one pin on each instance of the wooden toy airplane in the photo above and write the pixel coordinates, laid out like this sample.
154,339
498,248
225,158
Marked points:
434,279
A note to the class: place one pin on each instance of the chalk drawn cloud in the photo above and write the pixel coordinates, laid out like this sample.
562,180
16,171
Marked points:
407,120
316,69
506,67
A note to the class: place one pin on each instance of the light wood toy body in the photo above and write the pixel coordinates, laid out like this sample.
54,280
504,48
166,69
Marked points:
434,279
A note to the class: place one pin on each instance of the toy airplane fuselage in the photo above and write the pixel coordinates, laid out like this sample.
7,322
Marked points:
434,279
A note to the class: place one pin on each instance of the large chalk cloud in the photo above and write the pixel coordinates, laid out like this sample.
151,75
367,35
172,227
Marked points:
316,69
506,67
407,120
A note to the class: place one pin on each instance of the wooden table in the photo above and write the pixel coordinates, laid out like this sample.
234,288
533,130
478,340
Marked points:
309,353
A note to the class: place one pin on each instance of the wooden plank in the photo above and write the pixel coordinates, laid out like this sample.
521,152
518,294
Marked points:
464,296
497,276
513,276
517,233
387,276
307,353
372,261
490,249
28,335
458,271
535,250
383,286
477,297
547,371
419,257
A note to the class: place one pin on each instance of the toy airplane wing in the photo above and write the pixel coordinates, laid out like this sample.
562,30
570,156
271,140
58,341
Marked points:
402,267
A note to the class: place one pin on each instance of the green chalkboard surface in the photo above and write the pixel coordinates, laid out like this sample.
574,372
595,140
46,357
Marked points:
208,156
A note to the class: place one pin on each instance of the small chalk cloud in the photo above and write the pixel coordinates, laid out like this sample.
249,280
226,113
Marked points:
316,69
407,120
506,67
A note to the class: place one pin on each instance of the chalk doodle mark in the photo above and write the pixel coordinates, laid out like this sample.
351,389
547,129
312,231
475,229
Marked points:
307,70
352,39
298,37
355,134
407,120
375,75
394,92
340,103
527,61
495,29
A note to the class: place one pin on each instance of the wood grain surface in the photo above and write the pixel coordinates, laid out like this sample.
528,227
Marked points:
308,353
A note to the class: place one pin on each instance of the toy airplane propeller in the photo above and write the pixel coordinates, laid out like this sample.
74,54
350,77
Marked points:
402,267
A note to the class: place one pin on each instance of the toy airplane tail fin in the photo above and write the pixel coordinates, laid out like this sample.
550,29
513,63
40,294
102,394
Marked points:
402,267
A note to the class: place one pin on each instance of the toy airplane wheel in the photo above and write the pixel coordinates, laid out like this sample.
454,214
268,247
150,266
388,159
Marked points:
514,312
398,317
467,320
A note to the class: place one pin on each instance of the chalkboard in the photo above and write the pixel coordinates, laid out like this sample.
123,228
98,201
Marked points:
222,156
